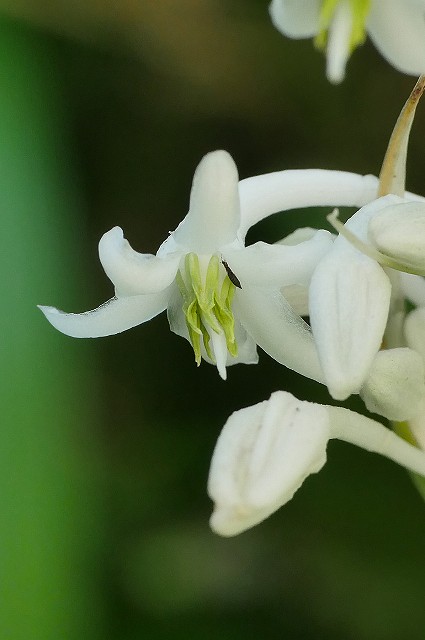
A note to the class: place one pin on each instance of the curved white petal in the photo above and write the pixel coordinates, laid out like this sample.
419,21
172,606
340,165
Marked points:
349,302
278,265
269,193
395,386
278,330
360,221
263,455
399,231
297,294
296,18
397,28
214,212
338,45
114,316
131,272
302,234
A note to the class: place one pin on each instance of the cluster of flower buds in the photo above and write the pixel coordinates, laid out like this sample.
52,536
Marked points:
227,298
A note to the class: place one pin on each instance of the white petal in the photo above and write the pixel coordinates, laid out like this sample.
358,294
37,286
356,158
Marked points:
278,330
413,288
349,302
115,316
338,45
297,296
131,272
263,455
414,330
395,386
299,235
397,28
399,231
278,265
295,189
360,221
214,212
247,347
296,18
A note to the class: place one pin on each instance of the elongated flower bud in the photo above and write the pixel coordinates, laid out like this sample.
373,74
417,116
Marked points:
262,456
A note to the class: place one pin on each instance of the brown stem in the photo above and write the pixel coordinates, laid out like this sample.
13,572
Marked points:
393,172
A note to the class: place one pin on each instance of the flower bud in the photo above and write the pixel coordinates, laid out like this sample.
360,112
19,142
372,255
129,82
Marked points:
395,387
398,231
263,455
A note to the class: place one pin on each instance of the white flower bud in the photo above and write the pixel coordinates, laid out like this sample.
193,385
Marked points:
398,231
263,455
395,386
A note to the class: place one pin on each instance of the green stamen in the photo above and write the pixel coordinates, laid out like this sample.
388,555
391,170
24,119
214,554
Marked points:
359,11
207,306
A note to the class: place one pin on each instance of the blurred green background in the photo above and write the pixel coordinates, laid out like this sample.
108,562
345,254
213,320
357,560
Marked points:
105,111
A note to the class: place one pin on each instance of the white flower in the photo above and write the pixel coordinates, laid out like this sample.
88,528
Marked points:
222,296
397,28
266,451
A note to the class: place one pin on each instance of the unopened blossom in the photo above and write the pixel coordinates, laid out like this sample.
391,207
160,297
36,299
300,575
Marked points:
223,297
398,232
395,386
266,451
349,299
396,27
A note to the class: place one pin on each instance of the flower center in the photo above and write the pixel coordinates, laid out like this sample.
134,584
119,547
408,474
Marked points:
359,11
207,299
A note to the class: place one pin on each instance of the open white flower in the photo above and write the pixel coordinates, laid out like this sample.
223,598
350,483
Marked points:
397,28
266,451
222,296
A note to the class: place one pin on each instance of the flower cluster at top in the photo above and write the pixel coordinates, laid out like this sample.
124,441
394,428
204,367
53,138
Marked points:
335,308
396,27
